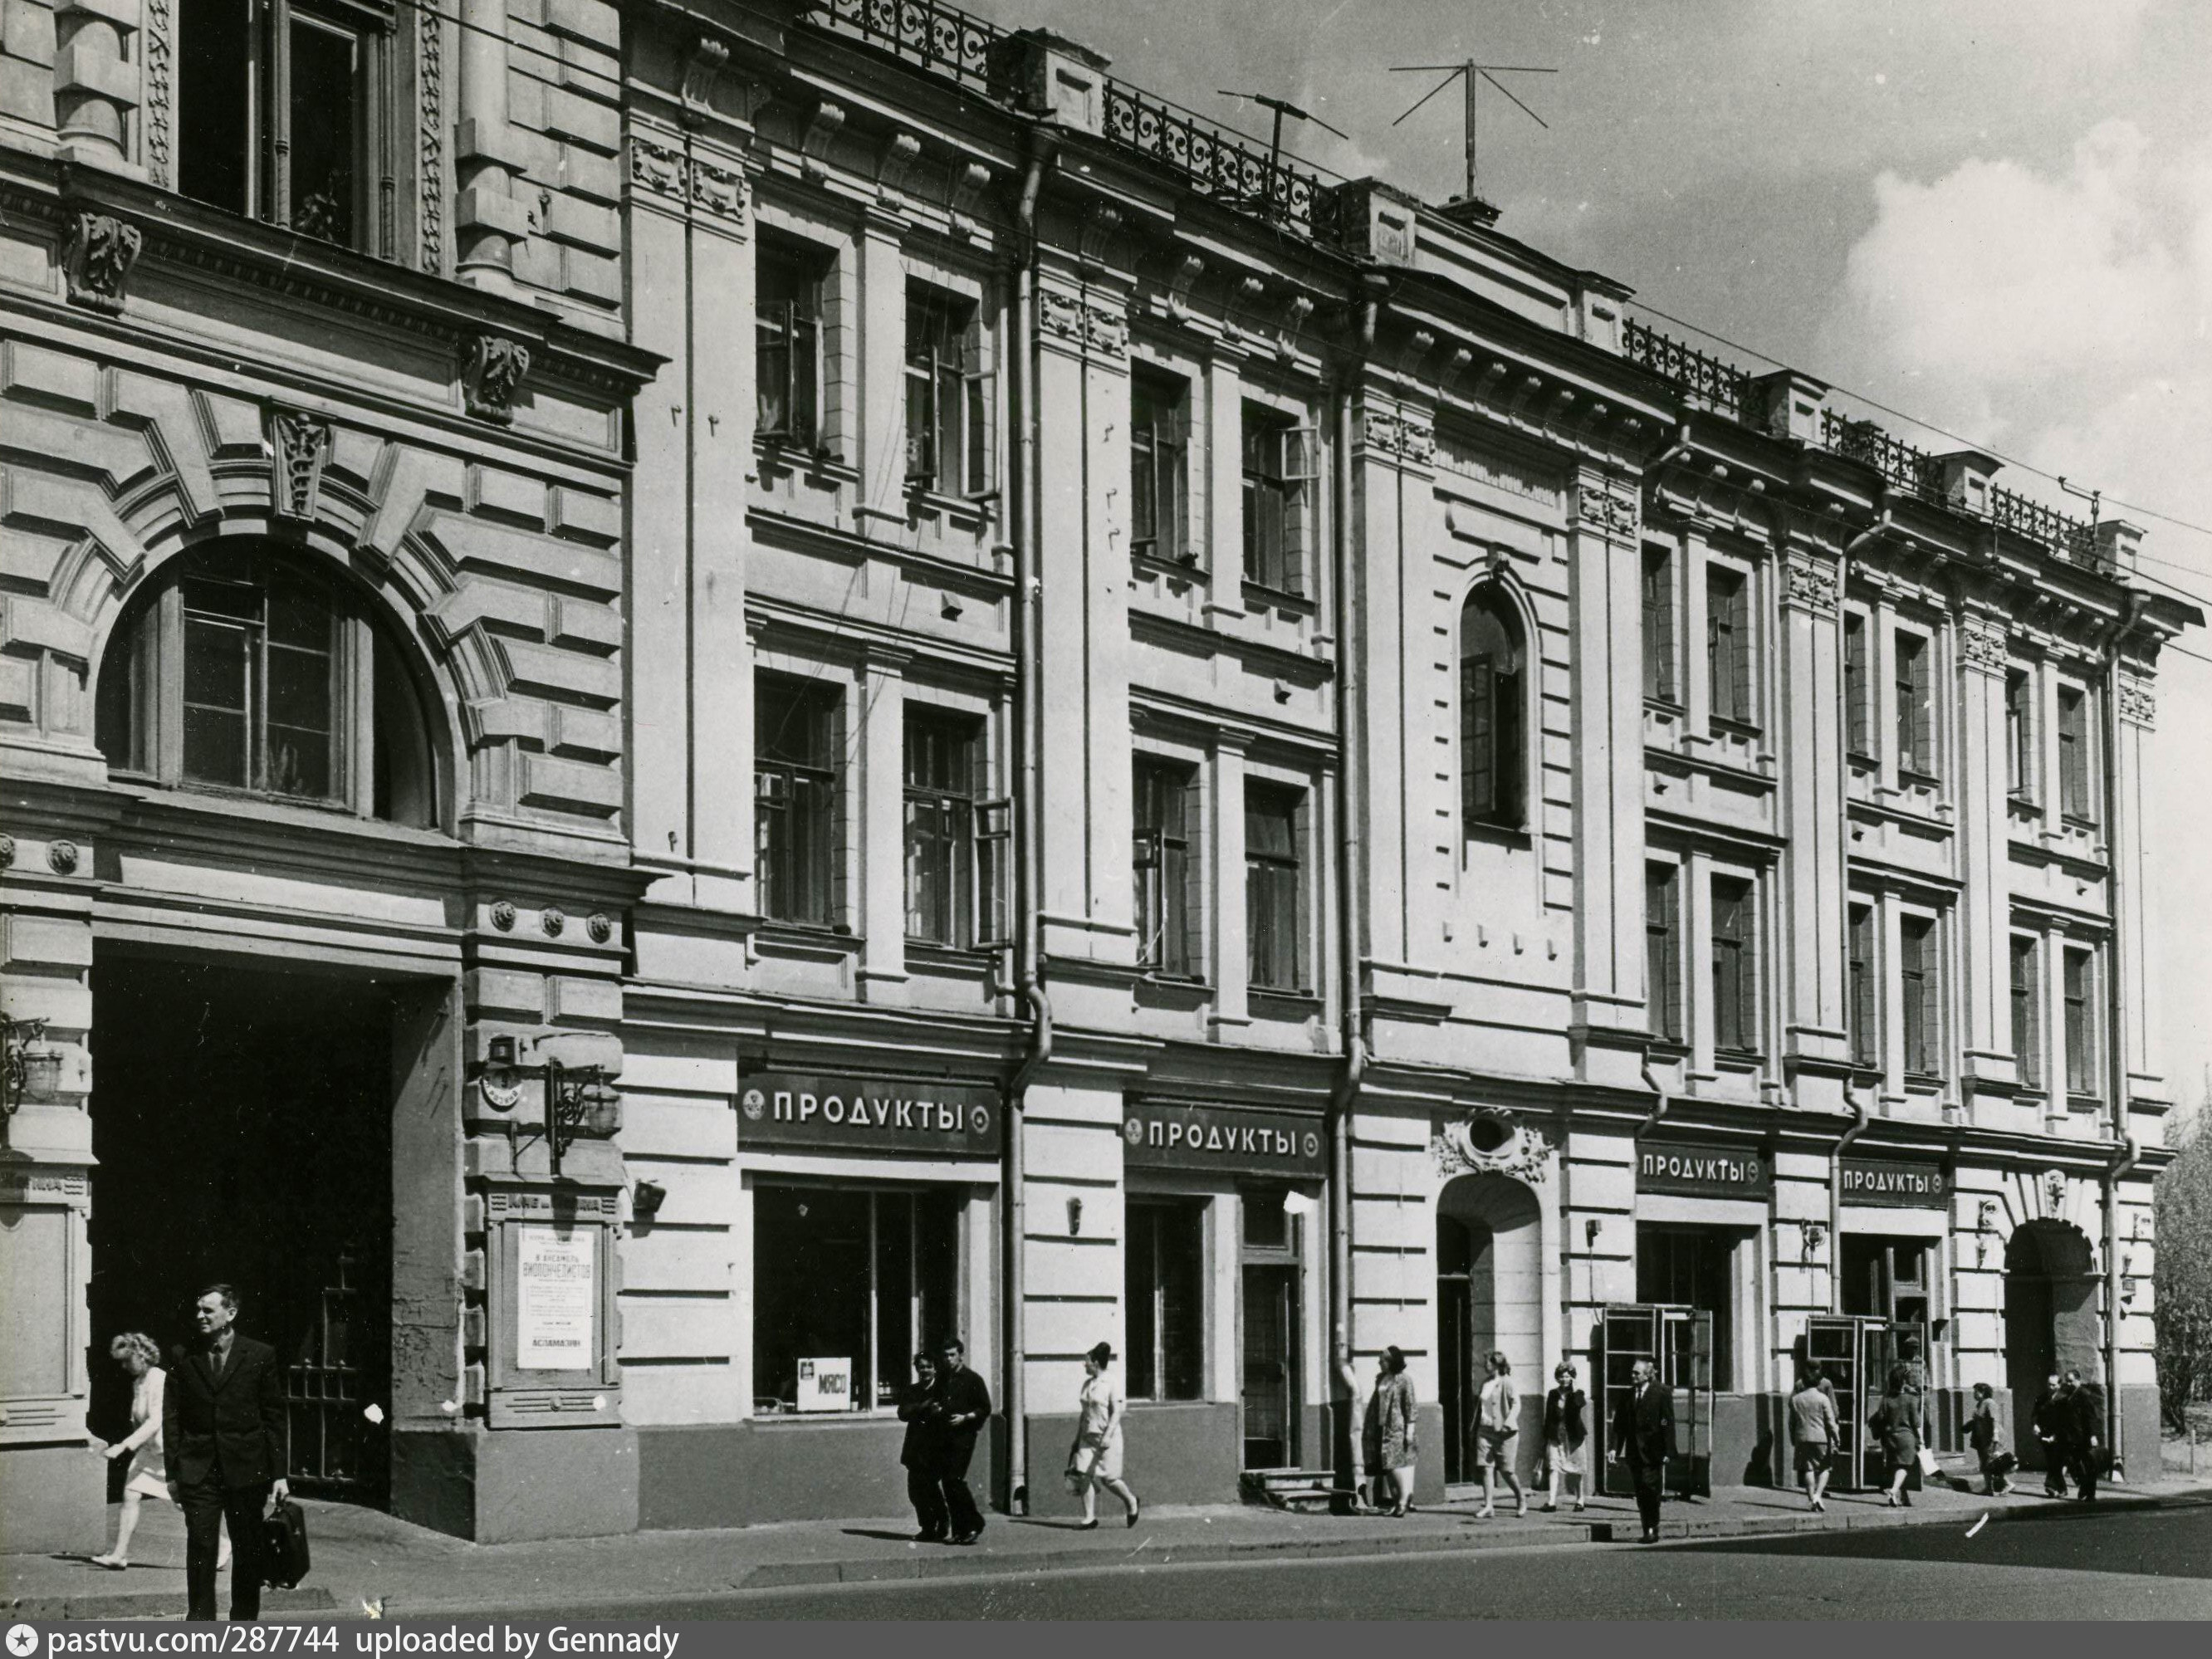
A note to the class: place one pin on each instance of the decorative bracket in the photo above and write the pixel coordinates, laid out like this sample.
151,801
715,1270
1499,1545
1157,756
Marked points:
1294,321
98,258
814,143
1180,283
893,163
968,182
1099,228
706,61
492,372
299,444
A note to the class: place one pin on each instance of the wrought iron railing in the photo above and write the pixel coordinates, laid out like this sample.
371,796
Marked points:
1233,171
1719,386
1904,465
937,37
2070,538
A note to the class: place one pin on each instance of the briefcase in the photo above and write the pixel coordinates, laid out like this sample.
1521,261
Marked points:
284,1545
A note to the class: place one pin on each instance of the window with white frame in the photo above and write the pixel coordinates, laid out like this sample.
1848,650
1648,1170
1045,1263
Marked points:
1735,964
1920,985
1865,987
795,798
1662,948
1274,882
1913,661
1858,687
1661,680
2077,778
1731,659
1282,475
956,838
2020,736
2026,951
788,276
1493,675
948,393
1163,1273
1167,918
1159,466
2083,1028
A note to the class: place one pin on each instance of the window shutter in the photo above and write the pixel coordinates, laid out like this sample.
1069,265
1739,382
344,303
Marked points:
921,425
1658,626
806,403
1300,469
993,831
1923,707
1720,648
1478,761
1740,642
1171,501
981,407
1855,683
771,790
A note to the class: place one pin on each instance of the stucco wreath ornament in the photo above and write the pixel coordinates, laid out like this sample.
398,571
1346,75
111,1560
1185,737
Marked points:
1489,1141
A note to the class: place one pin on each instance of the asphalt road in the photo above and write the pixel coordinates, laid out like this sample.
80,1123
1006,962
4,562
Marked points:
2155,1565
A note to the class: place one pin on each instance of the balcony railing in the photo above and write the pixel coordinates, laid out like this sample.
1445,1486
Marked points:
1902,465
1232,171
937,37
2070,538
1719,386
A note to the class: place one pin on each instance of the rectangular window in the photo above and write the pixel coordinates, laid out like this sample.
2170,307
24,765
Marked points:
1659,677
1865,986
1662,948
2081,1023
1858,715
1167,942
787,341
1159,466
865,1275
1735,965
1273,909
795,799
2076,796
1164,1287
1282,471
1916,707
2020,734
954,838
1729,646
261,687
1921,981
2027,1011
1885,1278
281,114
1693,1267
948,393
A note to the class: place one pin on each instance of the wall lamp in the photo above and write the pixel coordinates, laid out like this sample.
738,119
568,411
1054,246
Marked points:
1985,1227
1811,1235
646,1200
578,1099
1591,1229
30,1068
1074,1217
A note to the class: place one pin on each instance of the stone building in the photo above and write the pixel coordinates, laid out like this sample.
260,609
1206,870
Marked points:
1127,744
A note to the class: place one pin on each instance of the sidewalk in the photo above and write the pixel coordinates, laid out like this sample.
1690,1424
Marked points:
364,1560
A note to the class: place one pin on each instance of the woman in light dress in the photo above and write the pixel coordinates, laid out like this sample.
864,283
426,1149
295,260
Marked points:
1095,1459
1388,1436
148,1476
1501,1430
1565,1428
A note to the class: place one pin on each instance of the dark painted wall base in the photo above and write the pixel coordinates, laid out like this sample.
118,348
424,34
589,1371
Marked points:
52,1499
1178,1453
741,1475
506,1486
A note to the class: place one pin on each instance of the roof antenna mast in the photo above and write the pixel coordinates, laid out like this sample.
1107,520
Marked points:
1282,107
1474,74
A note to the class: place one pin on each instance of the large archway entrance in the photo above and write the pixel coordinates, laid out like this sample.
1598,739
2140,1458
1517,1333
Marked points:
2051,1321
1490,1294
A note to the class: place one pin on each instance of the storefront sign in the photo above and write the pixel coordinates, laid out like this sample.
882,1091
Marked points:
1703,1171
825,1385
791,1109
556,1297
1903,1186
1160,1136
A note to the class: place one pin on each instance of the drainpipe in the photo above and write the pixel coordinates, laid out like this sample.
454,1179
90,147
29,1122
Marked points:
1344,1099
1022,511
1659,1106
2116,1012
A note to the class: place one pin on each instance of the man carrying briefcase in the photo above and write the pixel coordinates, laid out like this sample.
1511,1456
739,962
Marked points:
223,1424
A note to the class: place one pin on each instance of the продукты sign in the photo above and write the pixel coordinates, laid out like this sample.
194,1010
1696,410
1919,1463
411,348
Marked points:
1900,1185
1221,1138
789,1109
1704,1171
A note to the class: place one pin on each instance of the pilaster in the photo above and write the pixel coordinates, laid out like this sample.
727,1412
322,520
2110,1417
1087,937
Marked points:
879,793
1813,900
2127,840
881,338
1224,453
1986,909
1231,958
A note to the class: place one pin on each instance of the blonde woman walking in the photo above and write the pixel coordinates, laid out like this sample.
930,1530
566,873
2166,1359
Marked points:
1500,1426
148,1476
1095,1459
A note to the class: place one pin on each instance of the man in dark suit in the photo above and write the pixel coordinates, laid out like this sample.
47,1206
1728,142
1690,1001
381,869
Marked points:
922,1454
2049,1421
223,1431
1643,1433
2082,1419
967,1402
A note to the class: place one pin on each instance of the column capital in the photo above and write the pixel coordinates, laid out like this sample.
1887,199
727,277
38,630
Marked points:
1809,583
1982,642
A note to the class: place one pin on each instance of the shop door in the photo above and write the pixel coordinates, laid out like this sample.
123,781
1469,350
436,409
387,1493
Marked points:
1679,1340
1834,1344
1457,1343
332,1447
1270,1351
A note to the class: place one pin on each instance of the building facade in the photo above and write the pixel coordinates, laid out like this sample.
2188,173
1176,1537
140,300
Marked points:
887,690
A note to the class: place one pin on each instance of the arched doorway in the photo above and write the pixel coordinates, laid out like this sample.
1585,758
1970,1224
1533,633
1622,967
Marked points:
1490,1294
2051,1322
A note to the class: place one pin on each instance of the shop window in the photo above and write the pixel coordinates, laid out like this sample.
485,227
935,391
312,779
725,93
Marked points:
283,114
1916,707
795,799
250,671
863,1275
1282,473
1885,1278
948,393
1662,948
788,278
1858,714
2019,735
1921,983
955,840
1159,466
1660,679
1865,989
1691,1267
2077,790
2081,1023
1728,657
1165,1289
1274,912
1735,966
1167,931
1492,677
2027,1010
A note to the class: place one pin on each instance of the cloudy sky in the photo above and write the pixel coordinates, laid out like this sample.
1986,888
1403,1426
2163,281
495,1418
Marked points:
1995,215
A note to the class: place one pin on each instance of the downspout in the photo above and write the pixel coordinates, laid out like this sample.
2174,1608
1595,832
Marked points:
2128,1151
1344,1099
1022,513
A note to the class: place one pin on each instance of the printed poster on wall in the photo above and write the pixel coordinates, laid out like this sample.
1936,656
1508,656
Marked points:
556,1298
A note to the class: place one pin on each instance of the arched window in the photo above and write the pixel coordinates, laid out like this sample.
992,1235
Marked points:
1491,652
244,669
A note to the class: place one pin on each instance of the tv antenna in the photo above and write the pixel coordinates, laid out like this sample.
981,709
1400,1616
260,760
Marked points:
1474,74
1282,106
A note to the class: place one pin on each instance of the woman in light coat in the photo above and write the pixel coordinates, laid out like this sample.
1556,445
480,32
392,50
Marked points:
148,1476
1095,1459
1387,1438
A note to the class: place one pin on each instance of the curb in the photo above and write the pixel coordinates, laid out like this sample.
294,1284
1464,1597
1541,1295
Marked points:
150,1604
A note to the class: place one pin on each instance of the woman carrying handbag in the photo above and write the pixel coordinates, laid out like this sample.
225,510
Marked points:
1565,1428
1095,1459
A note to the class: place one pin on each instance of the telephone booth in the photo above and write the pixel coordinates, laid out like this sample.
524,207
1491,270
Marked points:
1856,1352
1680,1341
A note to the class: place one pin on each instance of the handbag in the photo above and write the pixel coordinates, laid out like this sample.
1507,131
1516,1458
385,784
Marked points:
2003,1464
284,1555
1928,1466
